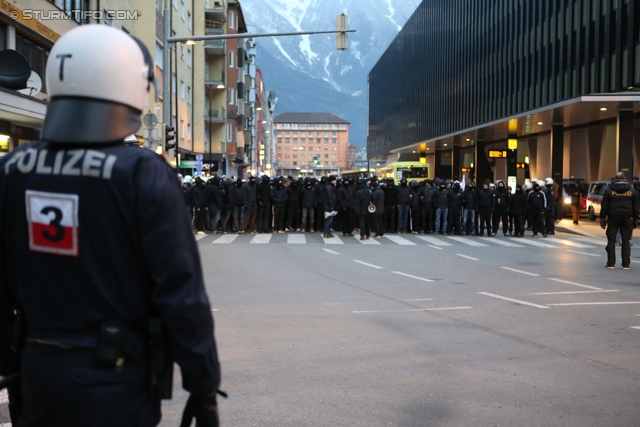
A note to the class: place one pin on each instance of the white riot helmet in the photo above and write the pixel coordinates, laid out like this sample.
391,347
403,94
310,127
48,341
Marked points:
548,181
98,80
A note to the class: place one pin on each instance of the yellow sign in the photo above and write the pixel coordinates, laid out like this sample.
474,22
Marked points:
520,165
513,144
16,14
466,170
497,154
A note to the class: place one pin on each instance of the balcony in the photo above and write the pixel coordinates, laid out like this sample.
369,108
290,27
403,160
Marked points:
239,154
214,78
215,10
216,114
215,47
212,27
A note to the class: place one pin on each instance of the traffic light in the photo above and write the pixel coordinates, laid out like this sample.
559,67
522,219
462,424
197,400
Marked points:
316,161
169,135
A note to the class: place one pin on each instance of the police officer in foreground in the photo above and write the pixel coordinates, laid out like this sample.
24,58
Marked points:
98,266
619,211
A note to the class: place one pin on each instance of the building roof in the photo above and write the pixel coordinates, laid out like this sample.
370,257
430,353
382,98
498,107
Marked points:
323,118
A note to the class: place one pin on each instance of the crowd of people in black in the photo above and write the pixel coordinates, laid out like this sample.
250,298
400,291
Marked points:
285,204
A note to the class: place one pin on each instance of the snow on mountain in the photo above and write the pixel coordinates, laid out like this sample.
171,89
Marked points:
307,72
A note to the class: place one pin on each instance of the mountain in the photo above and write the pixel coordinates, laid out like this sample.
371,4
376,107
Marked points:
307,73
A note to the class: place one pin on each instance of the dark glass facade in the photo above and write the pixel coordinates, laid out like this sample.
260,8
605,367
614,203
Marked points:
458,64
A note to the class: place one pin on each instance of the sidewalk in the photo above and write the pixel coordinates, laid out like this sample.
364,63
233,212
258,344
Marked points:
585,228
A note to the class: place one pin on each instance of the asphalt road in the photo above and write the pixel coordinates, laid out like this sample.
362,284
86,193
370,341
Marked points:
408,331
434,333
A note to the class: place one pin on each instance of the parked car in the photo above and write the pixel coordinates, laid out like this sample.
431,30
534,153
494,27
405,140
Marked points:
594,197
567,185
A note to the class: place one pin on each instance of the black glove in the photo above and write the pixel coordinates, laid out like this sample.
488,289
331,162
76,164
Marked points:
203,408
603,223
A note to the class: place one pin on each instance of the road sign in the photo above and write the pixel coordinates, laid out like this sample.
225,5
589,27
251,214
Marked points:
150,120
497,154
187,164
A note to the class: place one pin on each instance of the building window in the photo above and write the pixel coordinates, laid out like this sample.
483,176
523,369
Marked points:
303,126
189,95
181,129
303,141
335,148
295,148
189,132
317,148
174,121
334,141
232,20
182,51
326,148
189,58
318,141
334,133
286,163
301,149
326,163
35,54
287,156
286,148
287,133
333,163
279,141
295,156
175,4
342,127
302,156
326,140
231,62
279,148
181,89
295,134
229,133
295,140
326,156
173,83
295,163
232,96
287,140
326,134
333,156
182,10
189,21
302,163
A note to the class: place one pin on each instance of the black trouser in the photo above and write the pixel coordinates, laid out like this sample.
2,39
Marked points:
518,224
624,224
278,215
226,215
264,218
500,214
427,215
550,222
201,216
485,219
537,221
415,219
390,221
365,224
454,220
293,216
319,218
348,220
249,220
377,224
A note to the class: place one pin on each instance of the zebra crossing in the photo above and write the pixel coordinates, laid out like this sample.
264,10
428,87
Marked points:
441,241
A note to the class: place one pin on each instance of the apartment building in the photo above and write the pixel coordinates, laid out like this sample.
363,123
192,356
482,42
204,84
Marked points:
22,111
311,144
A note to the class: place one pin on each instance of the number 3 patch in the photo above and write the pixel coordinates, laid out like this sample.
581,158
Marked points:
53,222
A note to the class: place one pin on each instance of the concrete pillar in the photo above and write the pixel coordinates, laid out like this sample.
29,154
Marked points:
482,170
455,163
624,142
557,152
437,158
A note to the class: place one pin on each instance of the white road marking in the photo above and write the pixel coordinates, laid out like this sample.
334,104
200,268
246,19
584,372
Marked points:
593,241
635,261
296,239
500,242
367,264
6,424
517,301
400,240
331,252
533,242
520,271
582,253
368,241
214,309
435,247
632,327
225,238
334,303
599,303
261,239
575,284
411,276
198,237
412,309
4,398
467,241
434,241
573,292
417,299
335,240
572,243
468,257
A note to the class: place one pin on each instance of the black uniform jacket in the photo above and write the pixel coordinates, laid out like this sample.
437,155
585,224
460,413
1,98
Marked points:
91,233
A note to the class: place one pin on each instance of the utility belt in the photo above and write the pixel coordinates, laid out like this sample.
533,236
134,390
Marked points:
114,341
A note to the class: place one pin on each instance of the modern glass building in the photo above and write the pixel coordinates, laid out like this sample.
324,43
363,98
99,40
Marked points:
555,83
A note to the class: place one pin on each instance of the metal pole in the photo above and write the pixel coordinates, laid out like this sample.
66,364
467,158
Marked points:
248,35
165,68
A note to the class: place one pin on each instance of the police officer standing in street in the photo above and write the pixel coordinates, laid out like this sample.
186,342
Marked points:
619,211
117,292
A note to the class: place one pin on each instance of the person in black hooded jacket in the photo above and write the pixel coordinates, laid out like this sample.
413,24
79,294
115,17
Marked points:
308,196
263,196
619,210
201,205
293,206
416,192
279,200
455,209
390,206
517,209
427,212
486,206
363,200
404,205
441,200
501,208
215,203
347,202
